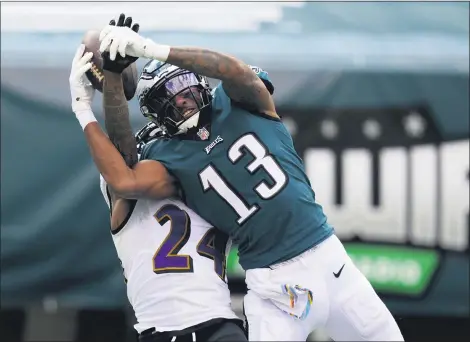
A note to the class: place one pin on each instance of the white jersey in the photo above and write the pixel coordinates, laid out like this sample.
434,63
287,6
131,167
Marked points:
175,277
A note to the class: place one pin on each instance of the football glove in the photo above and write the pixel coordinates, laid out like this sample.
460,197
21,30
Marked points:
118,63
81,90
126,42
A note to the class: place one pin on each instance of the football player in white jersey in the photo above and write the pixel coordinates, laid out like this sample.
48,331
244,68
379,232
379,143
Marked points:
174,267
173,260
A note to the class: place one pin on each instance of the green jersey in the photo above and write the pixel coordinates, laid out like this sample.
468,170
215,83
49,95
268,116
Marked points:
243,175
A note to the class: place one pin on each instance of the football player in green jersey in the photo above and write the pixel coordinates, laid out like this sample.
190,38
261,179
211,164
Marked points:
234,163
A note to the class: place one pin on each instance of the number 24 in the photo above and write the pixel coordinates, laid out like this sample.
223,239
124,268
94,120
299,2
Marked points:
167,260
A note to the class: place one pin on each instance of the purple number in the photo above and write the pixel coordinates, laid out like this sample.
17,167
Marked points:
166,258
213,246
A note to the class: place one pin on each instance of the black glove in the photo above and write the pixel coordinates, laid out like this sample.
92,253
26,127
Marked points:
119,63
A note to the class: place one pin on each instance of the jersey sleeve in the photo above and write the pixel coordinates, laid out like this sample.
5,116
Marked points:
264,77
219,92
221,102
104,191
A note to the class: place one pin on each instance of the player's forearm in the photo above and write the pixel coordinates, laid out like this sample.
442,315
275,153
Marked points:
207,63
107,158
240,83
116,114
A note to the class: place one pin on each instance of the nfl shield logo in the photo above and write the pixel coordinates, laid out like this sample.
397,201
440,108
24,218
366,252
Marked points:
203,133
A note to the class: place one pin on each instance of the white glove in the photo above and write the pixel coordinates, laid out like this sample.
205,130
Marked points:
81,90
124,40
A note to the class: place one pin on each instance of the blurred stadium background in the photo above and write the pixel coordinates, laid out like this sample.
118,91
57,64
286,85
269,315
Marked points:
375,95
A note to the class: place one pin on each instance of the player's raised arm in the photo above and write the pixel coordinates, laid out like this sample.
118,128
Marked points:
116,117
115,107
147,179
240,82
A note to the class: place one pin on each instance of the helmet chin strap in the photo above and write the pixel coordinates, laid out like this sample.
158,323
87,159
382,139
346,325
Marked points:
188,124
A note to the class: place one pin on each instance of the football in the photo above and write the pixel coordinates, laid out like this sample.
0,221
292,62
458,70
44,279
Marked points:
95,74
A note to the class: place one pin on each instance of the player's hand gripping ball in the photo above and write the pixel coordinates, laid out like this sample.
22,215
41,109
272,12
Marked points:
122,65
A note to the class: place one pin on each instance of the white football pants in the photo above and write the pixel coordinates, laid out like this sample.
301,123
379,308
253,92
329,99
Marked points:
347,306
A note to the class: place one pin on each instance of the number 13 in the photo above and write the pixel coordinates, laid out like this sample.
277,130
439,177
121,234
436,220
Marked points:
211,178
